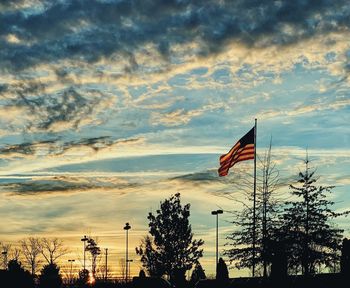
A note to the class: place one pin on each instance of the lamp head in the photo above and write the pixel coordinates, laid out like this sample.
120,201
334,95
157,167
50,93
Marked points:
127,226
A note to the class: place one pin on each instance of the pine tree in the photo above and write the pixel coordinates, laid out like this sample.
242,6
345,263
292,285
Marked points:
310,236
197,274
222,276
50,276
267,220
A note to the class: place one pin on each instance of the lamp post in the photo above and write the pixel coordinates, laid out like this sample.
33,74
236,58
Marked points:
127,227
84,240
217,212
71,268
129,261
106,268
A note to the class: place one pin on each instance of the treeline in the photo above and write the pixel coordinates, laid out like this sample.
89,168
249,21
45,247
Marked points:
295,234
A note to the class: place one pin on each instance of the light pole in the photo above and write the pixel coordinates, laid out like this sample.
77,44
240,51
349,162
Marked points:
129,261
106,249
84,240
127,227
217,212
71,268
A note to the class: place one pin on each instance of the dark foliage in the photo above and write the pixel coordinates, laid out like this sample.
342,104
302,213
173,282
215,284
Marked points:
172,250
16,276
267,217
222,272
311,239
83,278
50,276
197,274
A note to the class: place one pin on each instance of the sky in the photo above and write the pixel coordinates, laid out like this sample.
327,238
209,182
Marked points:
109,107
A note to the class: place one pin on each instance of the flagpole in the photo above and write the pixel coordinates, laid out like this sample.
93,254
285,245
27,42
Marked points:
254,199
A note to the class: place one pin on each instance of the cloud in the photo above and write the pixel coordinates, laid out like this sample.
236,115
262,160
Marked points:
180,116
71,107
321,105
56,147
83,52
89,31
43,186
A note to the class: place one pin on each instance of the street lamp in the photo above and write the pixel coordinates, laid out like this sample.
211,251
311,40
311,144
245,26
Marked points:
71,268
217,212
127,227
84,240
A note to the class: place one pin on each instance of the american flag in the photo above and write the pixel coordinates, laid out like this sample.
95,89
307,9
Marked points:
243,150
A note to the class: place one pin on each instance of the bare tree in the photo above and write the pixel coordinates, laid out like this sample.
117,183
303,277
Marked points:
52,249
122,268
5,251
31,250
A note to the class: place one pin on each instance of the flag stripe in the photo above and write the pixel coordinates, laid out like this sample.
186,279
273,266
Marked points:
230,164
234,152
248,149
230,153
243,150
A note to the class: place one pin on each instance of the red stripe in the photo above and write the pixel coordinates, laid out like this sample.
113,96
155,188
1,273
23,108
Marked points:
227,156
242,152
236,149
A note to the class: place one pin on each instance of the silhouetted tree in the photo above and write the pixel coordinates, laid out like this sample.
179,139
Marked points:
222,276
5,251
50,276
311,237
83,278
150,257
267,215
197,274
31,250
173,245
95,251
52,249
142,274
345,257
17,277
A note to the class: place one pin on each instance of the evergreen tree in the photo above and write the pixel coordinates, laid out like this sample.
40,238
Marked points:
222,276
311,238
50,276
197,274
16,276
173,246
267,216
